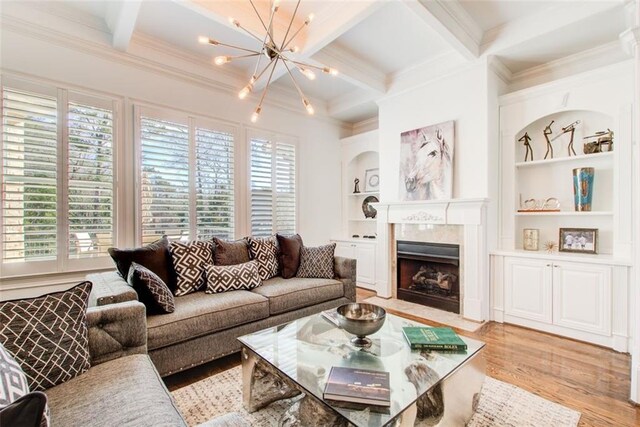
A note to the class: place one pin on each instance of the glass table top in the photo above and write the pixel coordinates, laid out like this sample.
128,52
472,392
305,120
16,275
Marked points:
306,349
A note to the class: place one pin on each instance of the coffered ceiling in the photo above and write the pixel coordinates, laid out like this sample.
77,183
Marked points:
373,43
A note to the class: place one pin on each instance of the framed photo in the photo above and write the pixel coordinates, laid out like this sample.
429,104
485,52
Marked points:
371,180
579,240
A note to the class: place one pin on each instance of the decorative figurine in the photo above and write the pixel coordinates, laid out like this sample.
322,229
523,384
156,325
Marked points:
547,131
603,142
527,139
356,188
571,128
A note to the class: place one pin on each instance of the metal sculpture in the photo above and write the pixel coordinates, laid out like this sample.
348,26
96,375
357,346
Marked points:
527,139
569,128
547,131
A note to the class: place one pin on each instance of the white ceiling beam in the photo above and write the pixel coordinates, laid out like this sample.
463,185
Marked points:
348,101
353,69
452,22
121,19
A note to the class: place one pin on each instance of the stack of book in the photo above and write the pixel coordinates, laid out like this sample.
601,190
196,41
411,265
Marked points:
437,339
361,386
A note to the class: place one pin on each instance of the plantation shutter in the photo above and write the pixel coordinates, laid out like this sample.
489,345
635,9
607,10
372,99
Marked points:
215,202
273,196
90,180
164,180
29,176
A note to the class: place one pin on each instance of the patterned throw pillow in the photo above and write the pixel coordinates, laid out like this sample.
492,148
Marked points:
265,251
152,291
222,278
154,256
317,262
189,260
48,335
230,253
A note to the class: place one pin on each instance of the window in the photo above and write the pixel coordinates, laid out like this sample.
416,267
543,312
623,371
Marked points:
186,177
57,178
273,187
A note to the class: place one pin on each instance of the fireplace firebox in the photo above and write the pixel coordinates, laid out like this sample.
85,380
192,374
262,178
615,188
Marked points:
428,274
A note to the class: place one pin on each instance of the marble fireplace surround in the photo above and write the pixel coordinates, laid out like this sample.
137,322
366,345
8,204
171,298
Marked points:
460,221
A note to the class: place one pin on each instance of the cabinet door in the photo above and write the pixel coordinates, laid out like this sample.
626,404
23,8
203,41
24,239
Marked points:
346,250
582,297
528,289
366,263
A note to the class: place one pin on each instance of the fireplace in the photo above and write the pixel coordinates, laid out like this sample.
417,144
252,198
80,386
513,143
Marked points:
429,274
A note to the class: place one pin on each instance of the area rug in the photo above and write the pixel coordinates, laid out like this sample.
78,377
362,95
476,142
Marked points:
500,405
424,312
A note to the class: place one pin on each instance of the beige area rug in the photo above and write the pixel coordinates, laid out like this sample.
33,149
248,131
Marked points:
425,312
500,405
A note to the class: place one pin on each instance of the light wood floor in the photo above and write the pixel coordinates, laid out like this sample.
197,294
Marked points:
587,378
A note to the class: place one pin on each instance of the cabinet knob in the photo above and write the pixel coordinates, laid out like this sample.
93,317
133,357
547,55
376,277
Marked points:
556,265
548,265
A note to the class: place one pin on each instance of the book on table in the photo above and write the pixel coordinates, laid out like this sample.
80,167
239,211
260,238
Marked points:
355,385
331,316
426,338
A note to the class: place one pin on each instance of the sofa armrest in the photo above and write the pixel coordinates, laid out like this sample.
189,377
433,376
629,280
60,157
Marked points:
346,272
109,288
117,330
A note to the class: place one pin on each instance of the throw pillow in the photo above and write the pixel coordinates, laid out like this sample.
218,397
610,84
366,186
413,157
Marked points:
155,256
289,254
265,251
230,253
152,291
222,278
48,335
189,260
317,262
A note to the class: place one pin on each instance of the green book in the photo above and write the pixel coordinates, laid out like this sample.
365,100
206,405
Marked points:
424,338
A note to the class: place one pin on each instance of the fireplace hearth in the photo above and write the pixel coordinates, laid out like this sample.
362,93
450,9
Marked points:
429,274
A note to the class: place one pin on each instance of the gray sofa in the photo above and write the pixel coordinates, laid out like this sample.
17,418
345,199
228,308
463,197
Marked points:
204,327
122,387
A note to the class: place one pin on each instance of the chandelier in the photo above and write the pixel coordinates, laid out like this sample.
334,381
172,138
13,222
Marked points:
274,53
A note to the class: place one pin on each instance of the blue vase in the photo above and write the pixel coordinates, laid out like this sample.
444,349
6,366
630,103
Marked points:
583,188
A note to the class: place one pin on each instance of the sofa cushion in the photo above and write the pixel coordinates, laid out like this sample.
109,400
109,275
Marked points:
123,392
289,254
152,291
189,260
224,278
317,262
48,335
200,314
265,251
290,294
230,253
155,256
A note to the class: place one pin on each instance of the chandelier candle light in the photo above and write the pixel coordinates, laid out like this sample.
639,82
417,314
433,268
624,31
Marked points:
274,53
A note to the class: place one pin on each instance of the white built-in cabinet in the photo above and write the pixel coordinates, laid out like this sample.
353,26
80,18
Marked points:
365,255
582,296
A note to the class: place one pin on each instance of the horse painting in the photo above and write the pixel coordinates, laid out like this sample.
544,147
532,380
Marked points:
426,162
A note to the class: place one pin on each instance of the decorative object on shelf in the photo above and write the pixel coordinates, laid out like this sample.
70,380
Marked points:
367,209
361,319
602,144
368,237
579,240
426,162
527,140
583,188
356,186
550,204
356,236
570,128
530,238
550,246
371,180
274,52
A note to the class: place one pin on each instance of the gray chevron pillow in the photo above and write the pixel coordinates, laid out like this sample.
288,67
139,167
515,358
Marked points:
317,262
223,278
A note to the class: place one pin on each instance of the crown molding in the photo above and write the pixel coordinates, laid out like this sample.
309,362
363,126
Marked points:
497,66
630,39
352,68
364,126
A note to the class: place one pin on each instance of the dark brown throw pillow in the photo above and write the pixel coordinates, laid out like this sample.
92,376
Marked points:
230,253
289,254
152,291
155,256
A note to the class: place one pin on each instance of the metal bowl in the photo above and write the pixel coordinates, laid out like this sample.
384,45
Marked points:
361,320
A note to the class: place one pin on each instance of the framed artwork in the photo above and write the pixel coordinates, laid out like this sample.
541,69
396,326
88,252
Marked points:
371,180
426,162
579,240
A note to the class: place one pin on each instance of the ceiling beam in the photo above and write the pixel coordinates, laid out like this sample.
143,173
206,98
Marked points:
353,69
454,24
121,19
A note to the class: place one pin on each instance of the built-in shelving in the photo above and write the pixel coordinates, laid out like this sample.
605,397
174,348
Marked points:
368,193
577,159
566,213
362,219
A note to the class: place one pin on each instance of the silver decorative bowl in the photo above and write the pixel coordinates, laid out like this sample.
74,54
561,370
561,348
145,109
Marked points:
361,319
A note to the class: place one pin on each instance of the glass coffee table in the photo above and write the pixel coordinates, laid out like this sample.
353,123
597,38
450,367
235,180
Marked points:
295,359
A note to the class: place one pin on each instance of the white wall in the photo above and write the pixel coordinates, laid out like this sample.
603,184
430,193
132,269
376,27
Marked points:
24,52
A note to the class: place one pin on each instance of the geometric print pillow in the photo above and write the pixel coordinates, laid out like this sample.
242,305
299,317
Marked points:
152,291
189,261
48,335
317,262
222,278
265,251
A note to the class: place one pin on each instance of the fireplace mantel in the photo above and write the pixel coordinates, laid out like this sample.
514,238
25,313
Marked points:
468,213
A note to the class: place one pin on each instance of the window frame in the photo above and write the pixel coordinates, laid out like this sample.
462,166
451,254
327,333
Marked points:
64,95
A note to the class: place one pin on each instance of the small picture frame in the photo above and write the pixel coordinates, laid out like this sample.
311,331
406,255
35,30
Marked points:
371,180
578,240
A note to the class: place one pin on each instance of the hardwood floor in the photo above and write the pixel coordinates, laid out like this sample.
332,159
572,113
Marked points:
587,378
